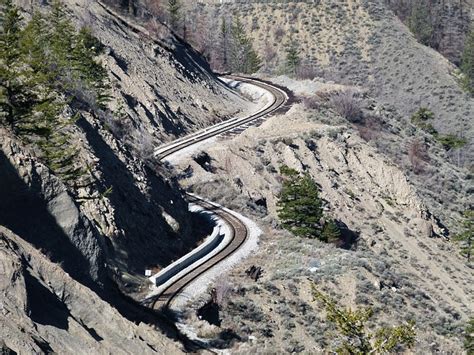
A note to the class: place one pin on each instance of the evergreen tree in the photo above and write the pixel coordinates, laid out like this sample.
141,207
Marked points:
330,232
356,336
300,208
466,237
15,94
34,40
293,59
467,62
89,70
41,68
420,23
244,59
61,38
174,10
223,39
469,337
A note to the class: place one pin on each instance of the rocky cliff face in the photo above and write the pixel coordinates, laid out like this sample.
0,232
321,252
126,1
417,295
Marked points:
125,207
160,84
65,245
45,310
40,208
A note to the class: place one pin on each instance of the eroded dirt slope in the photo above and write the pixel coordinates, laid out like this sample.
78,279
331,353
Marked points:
400,267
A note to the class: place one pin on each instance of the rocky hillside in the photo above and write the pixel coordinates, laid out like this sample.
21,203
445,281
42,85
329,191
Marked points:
399,266
359,43
44,310
448,22
69,244
164,86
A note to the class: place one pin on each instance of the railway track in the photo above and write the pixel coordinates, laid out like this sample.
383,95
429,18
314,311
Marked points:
280,97
238,229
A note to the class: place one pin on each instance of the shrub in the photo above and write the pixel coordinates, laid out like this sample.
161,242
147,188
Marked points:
279,33
356,336
306,71
423,114
466,237
347,104
223,288
330,232
450,141
469,337
311,102
420,118
370,128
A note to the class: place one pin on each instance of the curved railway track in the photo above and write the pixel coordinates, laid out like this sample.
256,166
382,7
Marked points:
280,97
238,229
239,232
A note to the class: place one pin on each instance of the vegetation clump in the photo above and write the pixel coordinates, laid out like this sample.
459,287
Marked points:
449,141
293,59
174,13
347,104
243,57
467,63
421,117
300,208
45,66
355,335
421,24
469,337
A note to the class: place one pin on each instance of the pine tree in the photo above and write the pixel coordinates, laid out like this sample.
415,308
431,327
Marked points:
174,10
223,39
469,337
41,68
331,231
293,59
467,62
243,59
355,335
88,69
420,23
300,208
14,88
61,37
466,237
33,42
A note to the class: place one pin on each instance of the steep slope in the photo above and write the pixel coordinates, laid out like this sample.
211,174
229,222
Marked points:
69,245
162,84
359,43
160,89
363,45
399,267
44,310
448,22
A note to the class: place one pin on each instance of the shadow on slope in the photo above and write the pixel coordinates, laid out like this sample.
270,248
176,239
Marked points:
25,212
147,238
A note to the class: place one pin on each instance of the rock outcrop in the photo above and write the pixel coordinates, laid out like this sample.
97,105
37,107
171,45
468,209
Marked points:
45,310
66,245
38,206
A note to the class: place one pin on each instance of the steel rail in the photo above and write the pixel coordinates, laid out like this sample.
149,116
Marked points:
239,231
280,97
238,228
